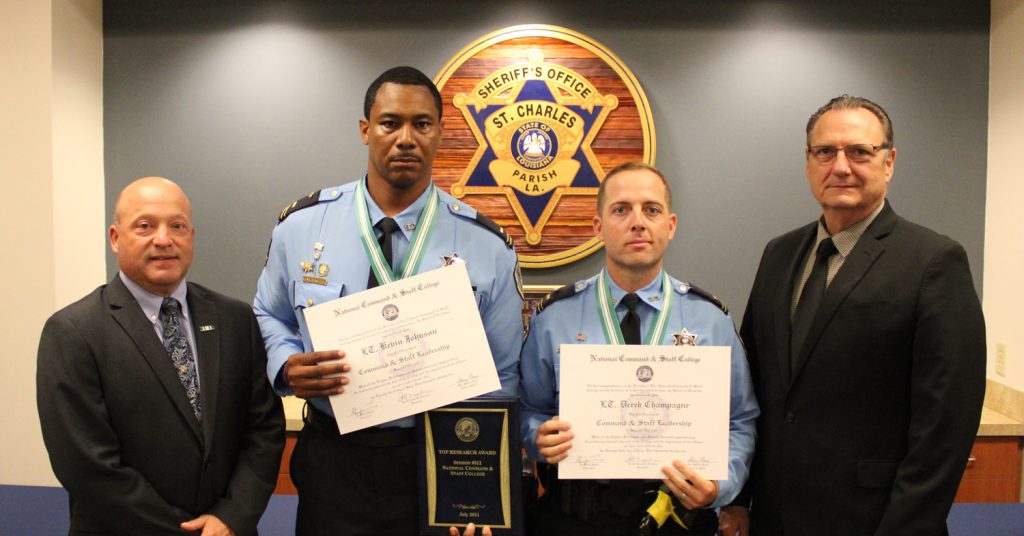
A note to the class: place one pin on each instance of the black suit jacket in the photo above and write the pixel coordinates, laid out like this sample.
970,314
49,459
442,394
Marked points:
120,432
871,432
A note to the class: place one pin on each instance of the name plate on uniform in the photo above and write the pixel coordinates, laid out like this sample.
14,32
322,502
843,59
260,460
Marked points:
470,466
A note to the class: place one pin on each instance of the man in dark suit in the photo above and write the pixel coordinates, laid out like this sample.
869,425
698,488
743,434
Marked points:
152,392
866,343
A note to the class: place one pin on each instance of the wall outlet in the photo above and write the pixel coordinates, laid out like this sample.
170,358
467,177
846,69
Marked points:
1001,359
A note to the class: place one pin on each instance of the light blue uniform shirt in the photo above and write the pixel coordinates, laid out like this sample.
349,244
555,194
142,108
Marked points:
150,304
570,319
282,294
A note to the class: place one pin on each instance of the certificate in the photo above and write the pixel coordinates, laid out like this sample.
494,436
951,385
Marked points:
634,409
414,345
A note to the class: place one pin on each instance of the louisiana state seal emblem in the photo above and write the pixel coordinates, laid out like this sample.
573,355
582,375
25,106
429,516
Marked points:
534,117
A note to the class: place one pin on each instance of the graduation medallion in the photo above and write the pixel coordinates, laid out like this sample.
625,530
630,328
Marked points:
609,322
418,243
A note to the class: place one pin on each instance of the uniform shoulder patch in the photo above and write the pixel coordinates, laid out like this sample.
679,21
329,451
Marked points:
709,297
303,202
562,293
489,224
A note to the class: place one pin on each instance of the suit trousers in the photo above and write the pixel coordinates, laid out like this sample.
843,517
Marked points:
349,488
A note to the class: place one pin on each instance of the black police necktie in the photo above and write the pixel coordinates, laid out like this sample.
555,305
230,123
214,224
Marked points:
630,324
176,344
388,226
627,495
810,298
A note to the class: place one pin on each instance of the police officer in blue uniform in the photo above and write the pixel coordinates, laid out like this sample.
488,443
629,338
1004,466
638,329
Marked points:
636,223
364,482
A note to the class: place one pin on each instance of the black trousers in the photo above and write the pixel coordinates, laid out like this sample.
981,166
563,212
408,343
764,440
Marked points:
354,485
554,521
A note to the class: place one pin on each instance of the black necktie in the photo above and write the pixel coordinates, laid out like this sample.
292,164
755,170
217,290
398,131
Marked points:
388,226
630,324
810,298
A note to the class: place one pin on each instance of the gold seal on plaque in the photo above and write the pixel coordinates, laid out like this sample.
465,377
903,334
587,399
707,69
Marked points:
541,113
467,429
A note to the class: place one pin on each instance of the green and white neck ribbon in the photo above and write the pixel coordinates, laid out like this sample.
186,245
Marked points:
413,258
610,322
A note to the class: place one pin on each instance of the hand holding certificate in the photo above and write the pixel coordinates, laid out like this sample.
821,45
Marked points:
635,409
413,345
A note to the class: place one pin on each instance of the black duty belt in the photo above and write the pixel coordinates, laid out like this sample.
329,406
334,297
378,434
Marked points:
585,500
367,437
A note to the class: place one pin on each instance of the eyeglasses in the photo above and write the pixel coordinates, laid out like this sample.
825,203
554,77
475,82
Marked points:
859,153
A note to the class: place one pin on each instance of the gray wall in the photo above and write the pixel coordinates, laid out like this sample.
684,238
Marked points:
250,105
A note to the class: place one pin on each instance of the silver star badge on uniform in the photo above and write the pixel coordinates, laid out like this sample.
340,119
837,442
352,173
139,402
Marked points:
454,258
685,338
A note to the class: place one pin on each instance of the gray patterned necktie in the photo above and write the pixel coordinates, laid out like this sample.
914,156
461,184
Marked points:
176,344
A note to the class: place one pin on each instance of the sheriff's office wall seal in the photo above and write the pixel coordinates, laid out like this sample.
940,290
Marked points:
535,115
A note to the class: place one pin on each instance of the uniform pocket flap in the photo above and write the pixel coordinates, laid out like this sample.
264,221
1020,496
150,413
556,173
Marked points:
310,294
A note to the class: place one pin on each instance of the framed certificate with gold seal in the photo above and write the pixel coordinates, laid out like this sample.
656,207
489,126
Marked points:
470,466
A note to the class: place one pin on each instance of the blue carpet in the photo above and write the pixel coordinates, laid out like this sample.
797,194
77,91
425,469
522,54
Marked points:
32,510
279,519
986,519
43,511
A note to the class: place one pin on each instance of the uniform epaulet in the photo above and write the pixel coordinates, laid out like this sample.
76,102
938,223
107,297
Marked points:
552,297
494,228
299,204
709,297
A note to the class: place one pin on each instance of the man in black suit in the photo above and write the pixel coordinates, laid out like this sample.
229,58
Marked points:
152,392
866,343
